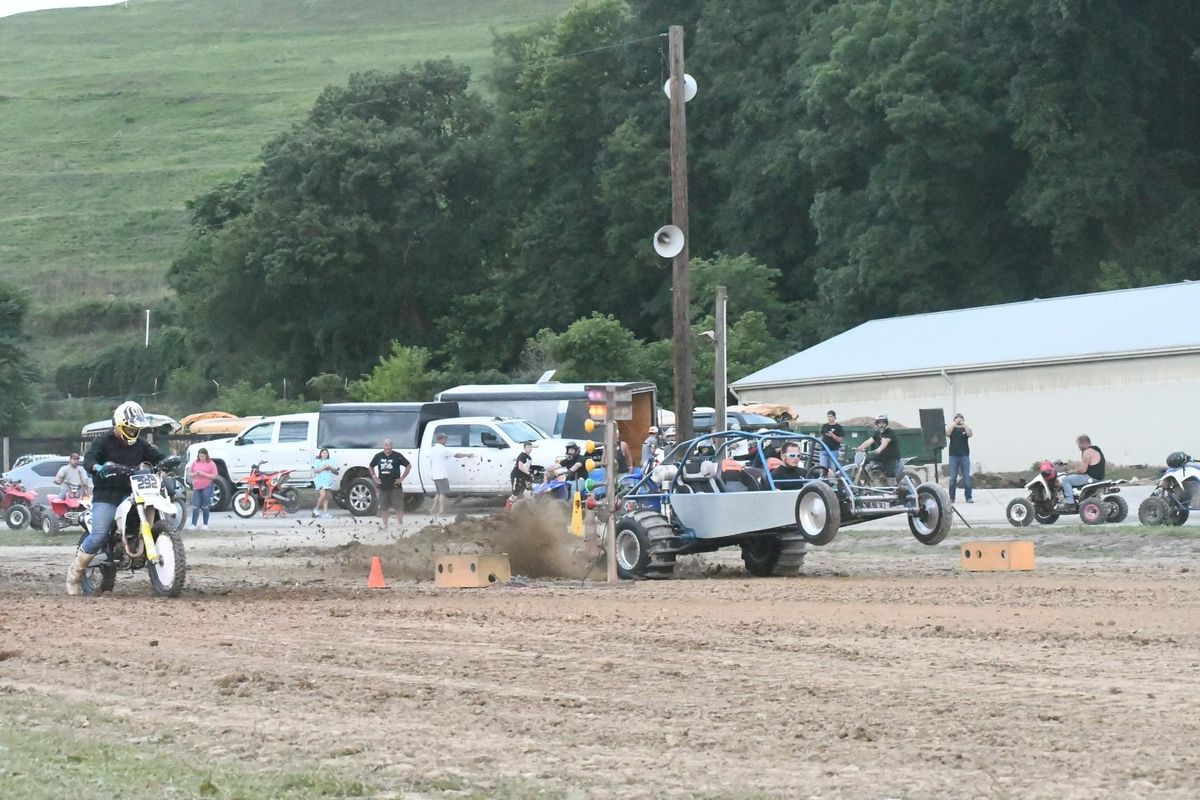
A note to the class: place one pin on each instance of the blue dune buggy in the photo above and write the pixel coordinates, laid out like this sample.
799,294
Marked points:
716,491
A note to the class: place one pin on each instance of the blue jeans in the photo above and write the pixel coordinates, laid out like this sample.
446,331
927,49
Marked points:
828,461
201,499
960,464
1072,482
102,520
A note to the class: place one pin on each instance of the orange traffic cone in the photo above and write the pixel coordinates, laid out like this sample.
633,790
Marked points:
375,580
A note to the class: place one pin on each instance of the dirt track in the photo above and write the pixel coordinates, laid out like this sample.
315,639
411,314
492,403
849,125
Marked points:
877,675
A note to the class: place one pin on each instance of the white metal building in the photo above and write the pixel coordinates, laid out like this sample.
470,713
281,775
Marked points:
1121,366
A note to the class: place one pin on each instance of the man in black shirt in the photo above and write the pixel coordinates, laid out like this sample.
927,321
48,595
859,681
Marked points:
572,465
832,436
960,455
882,447
790,472
522,471
386,469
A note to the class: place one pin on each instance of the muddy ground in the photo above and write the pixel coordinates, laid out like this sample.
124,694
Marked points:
883,672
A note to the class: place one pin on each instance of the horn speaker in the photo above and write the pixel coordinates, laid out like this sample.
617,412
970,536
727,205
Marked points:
668,241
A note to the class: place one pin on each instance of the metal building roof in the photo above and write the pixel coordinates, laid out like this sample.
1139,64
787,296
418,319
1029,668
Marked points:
1151,320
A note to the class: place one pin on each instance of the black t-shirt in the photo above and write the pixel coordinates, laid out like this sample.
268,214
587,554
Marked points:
786,473
389,467
892,451
523,458
959,444
836,430
111,447
570,462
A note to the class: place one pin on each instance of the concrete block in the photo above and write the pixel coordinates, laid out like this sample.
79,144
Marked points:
997,556
471,571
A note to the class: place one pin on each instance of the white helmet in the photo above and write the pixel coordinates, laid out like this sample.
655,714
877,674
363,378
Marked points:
881,418
128,420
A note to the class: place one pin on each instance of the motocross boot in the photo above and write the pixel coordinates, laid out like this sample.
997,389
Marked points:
75,572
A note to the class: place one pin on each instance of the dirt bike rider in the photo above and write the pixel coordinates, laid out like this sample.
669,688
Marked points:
121,445
887,449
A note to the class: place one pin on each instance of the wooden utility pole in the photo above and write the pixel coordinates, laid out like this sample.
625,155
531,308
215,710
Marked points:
681,328
719,361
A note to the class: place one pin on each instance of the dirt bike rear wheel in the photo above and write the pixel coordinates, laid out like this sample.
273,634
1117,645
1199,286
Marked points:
290,500
244,504
98,579
167,576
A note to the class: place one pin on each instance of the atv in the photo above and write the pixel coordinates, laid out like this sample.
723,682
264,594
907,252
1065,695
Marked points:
1095,503
1176,494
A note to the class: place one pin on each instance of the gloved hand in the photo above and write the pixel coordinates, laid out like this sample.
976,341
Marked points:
107,469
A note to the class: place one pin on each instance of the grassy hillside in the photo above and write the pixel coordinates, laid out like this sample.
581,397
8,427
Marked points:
111,118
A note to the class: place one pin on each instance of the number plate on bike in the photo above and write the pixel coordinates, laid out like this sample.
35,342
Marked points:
145,483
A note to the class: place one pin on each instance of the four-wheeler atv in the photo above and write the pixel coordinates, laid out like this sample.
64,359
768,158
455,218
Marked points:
1176,494
1095,503
699,499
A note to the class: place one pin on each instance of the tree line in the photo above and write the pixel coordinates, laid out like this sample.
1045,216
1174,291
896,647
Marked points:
850,159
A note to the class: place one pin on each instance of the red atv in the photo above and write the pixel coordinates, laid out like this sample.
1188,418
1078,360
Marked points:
64,512
16,504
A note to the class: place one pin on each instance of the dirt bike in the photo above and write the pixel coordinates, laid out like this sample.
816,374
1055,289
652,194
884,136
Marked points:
16,504
66,511
1176,494
865,471
1095,503
264,491
142,536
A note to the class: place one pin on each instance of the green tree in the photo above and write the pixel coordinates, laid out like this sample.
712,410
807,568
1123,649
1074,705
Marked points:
401,375
17,375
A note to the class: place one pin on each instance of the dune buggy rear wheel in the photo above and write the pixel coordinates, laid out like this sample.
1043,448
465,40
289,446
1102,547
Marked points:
646,546
818,513
931,522
760,554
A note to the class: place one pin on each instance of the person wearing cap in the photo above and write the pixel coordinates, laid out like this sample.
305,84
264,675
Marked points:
73,478
883,447
649,448
832,436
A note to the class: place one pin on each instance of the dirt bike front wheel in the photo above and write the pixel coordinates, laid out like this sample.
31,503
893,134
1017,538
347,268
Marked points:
169,572
244,504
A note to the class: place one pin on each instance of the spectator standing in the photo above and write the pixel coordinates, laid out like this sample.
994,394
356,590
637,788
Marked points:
522,471
325,471
960,456
439,463
202,472
73,477
649,448
389,469
832,436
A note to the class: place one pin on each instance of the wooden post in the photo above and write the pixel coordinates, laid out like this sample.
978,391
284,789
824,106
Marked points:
610,485
719,362
681,320
6,461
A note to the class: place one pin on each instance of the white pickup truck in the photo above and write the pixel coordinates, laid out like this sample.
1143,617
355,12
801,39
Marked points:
354,433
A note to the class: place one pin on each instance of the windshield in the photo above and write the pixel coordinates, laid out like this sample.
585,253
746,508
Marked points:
521,431
758,421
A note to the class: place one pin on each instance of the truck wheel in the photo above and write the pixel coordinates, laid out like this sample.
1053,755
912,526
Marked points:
1153,511
932,521
1092,512
18,516
1118,509
222,493
1020,513
760,554
646,546
818,513
362,499
413,501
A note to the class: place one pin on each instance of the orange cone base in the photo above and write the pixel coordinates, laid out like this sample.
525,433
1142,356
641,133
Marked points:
375,579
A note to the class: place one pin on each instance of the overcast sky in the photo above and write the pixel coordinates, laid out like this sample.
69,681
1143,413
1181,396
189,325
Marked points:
8,7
